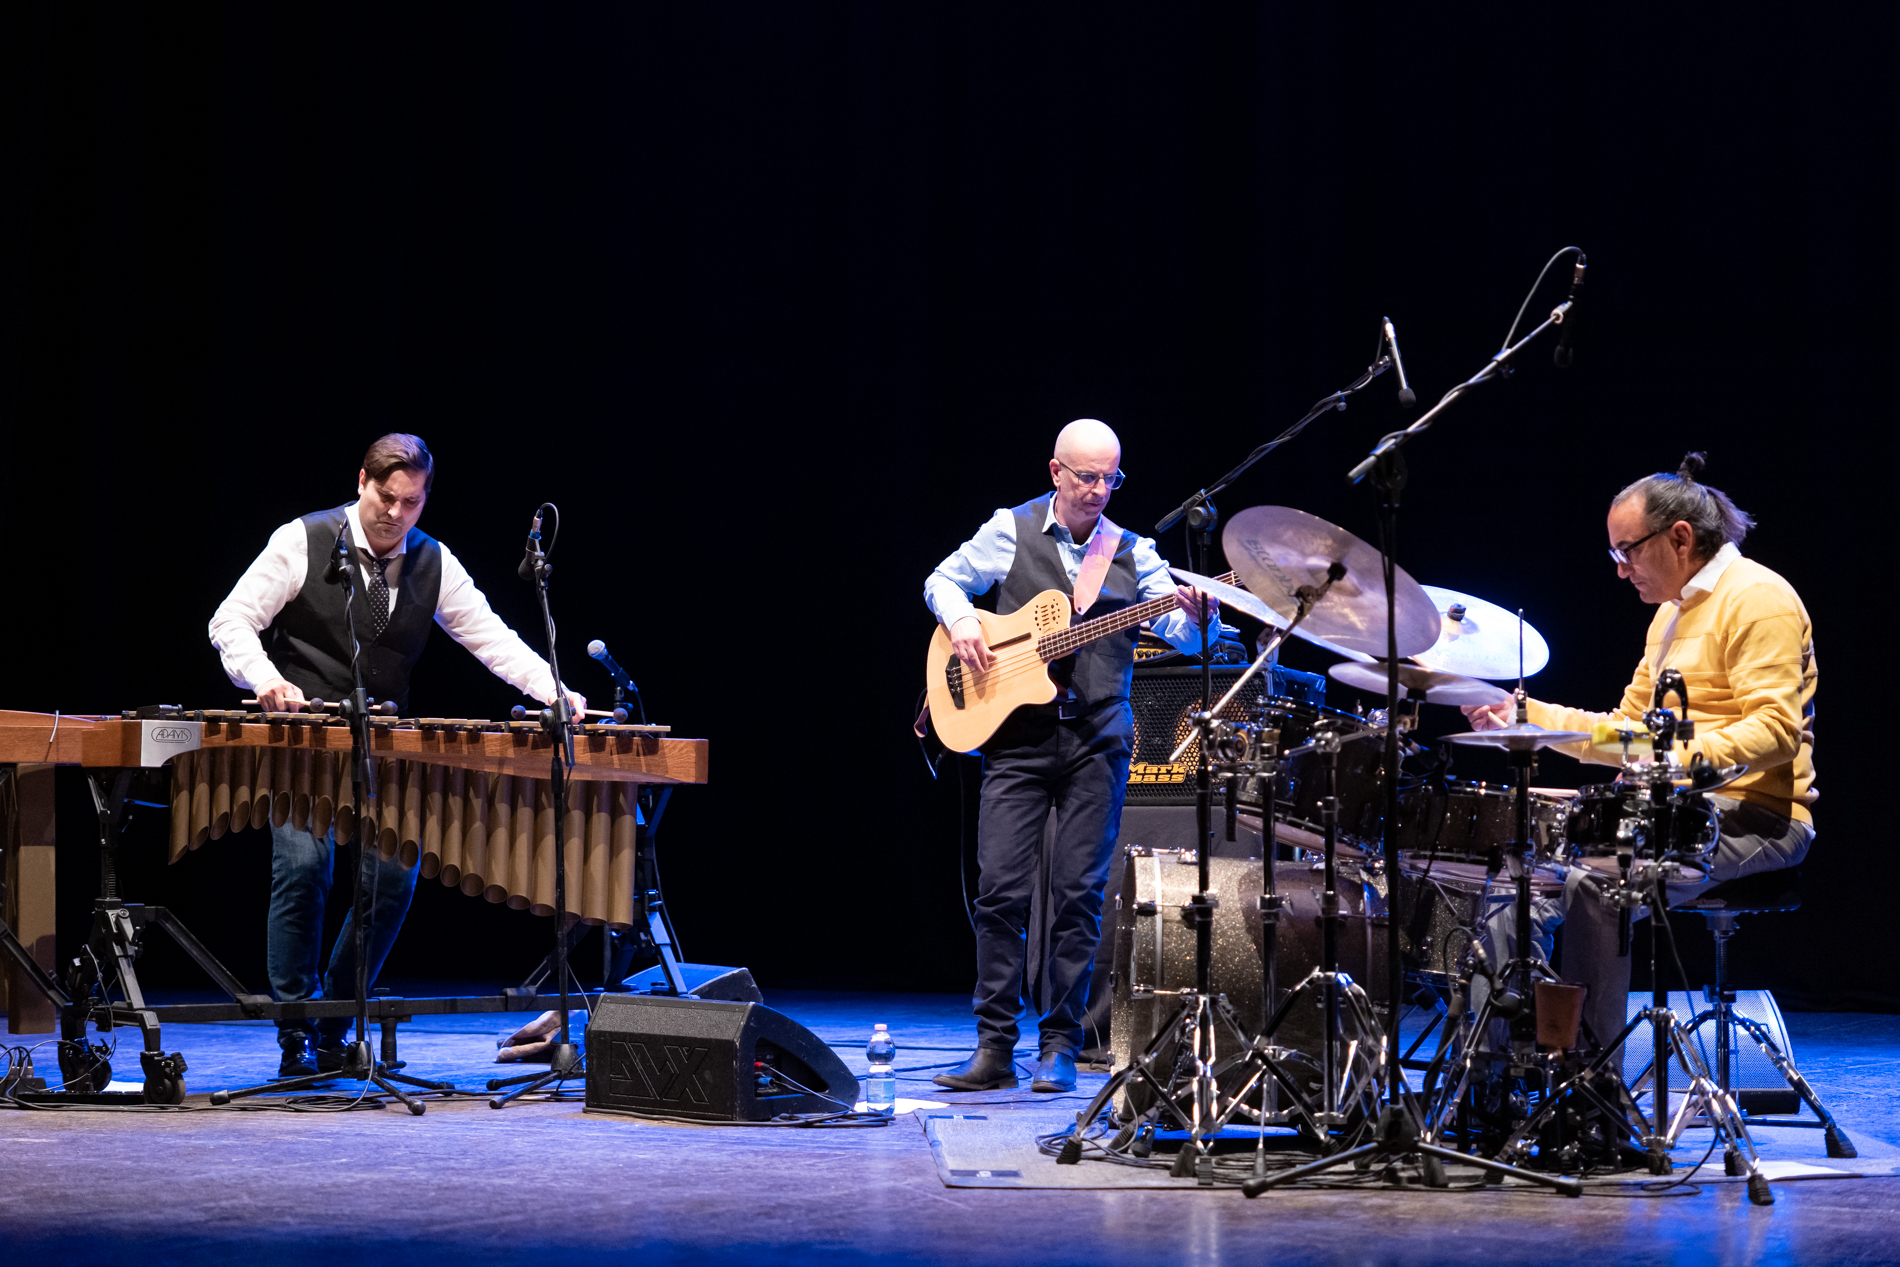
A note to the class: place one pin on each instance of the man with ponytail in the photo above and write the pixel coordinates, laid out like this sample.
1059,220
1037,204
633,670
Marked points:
1740,636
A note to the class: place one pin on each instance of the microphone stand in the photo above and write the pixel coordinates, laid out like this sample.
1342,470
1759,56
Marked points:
564,1061
356,1058
1203,499
1402,1127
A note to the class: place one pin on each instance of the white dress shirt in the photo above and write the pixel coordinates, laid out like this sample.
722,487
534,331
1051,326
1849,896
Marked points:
277,576
1701,583
984,560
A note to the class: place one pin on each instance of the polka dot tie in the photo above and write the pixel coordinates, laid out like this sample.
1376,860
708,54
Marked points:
378,595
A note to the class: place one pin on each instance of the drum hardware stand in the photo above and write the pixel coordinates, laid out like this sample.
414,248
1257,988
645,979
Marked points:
358,1064
564,1059
1703,1097
1723,1014
655,938
1192,1027
1402,1131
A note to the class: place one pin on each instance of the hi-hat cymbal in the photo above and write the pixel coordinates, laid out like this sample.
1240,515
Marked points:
1479,639
1524,738
1233,596
1277,549
1435,688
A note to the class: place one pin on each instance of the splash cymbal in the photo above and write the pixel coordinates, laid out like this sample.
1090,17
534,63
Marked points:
1517,738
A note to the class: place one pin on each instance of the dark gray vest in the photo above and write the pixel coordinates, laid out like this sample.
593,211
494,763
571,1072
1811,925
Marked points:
310,641
1101,670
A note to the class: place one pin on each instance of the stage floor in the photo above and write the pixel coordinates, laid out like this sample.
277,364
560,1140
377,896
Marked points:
468,1183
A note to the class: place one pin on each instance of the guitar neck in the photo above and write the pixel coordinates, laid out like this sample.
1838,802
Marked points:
1056,645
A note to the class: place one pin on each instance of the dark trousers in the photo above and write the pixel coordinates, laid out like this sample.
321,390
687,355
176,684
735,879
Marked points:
1035,763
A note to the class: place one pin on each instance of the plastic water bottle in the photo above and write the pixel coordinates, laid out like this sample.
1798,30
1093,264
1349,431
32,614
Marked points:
880,1085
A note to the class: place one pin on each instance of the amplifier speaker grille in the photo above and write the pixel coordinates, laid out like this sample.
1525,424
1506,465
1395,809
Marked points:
1165,698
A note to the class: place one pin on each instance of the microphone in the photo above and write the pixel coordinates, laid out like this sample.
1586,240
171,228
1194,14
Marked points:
1561,357
526,570
339,557
598,650
1407,397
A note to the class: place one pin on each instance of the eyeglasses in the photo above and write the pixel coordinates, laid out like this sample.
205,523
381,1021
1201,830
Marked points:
1622,553
1088,478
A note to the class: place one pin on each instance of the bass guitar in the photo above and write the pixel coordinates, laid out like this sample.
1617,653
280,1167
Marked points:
968,705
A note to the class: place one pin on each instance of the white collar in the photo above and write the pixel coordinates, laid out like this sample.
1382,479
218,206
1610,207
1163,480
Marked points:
1704,581
1049,520
402,547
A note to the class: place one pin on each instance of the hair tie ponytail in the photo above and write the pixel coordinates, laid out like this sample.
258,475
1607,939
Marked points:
1692,464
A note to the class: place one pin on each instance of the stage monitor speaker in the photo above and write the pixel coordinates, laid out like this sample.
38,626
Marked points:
709,1060
1759,1087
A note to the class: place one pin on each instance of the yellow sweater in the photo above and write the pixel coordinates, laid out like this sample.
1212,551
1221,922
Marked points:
1745,650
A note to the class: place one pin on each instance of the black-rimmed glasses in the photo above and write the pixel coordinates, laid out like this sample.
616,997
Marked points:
1622,553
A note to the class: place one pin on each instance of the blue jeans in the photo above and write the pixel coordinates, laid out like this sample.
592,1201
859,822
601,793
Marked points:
299,887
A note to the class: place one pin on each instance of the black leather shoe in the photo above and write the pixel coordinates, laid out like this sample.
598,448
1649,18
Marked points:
987,1069
299,1061
330,1053
1054,1072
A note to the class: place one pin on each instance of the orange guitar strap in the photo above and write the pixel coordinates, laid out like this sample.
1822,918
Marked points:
1103,547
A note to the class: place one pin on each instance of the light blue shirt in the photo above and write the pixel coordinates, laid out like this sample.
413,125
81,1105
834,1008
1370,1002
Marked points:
983,561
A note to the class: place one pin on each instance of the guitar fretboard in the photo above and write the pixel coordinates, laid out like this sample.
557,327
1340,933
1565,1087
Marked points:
1056,645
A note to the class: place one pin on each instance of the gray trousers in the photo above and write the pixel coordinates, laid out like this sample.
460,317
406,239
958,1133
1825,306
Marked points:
1752,840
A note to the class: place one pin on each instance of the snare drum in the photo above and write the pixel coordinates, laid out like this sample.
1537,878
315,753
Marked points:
1606,817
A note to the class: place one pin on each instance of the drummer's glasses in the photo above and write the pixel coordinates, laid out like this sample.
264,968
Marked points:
1620,553
1088,478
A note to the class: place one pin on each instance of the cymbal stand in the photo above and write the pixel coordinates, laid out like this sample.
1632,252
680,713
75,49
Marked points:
1188,1090
564,1060
357,1064
1402,1128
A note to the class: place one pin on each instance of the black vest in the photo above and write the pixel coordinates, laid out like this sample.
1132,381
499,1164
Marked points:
310,640
1101,670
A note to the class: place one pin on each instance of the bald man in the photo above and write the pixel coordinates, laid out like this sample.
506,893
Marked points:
1071,755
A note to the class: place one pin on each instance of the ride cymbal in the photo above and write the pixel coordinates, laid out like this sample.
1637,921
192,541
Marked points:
1479,639
1276,550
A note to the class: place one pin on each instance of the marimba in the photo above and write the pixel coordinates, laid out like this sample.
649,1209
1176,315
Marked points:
468,801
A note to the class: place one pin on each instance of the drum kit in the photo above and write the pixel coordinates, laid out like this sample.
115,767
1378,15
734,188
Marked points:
1213,1032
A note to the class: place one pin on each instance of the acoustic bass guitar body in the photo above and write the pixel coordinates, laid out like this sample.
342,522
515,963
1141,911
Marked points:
967,705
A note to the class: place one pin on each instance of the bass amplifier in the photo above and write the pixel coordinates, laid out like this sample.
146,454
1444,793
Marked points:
1165,699
709,1060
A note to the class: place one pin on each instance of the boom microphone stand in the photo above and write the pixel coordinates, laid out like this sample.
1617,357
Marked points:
1402,1128
564,1061
357,1063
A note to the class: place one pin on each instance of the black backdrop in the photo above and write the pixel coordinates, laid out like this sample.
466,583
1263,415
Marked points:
778,301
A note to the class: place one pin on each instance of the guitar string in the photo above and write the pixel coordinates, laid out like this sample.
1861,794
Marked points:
1075,636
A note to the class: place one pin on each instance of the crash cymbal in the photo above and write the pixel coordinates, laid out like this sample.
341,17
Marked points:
1277,549
1524,738
1435,688
1479,639
1232,596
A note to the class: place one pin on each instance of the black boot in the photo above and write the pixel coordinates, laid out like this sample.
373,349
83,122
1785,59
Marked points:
987,1069
299,1060
1055,1072
330,1050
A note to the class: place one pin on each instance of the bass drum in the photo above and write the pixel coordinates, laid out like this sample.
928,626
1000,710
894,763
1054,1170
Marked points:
1154,948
